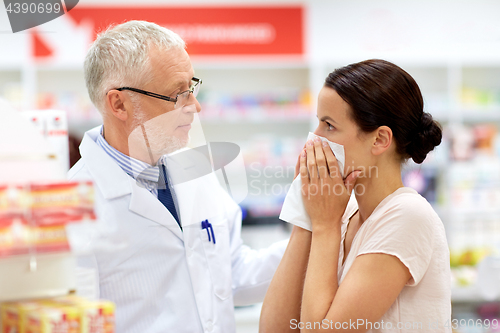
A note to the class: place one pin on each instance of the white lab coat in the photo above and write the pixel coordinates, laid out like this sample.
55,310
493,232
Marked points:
166,279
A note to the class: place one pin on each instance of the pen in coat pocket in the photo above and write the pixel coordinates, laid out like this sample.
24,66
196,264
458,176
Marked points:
207,225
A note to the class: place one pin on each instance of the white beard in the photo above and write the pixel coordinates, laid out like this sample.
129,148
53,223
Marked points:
159,143
152,135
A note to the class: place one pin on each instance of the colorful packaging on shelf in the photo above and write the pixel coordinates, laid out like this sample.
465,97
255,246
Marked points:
14,315
66,314
13,200
60,203
96,316
50,239
33,216
53,319
14,229
15,237
20,238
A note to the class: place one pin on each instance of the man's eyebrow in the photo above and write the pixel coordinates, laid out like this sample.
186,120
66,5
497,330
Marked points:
327,118
179,83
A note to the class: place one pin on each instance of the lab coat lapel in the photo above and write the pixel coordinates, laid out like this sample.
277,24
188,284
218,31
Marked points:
199,200
113,182
196,190
183,190
143,202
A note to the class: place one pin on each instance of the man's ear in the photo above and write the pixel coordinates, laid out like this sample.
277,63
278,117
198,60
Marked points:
382,141
117,102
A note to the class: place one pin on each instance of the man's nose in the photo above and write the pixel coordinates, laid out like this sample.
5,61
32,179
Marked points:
192,105
197,104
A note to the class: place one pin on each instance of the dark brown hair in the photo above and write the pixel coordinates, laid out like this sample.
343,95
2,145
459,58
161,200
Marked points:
381,93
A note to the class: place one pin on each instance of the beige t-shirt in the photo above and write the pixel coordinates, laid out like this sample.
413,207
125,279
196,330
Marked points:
405,225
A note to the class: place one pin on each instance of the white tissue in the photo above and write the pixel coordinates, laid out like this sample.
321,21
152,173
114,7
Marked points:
293,210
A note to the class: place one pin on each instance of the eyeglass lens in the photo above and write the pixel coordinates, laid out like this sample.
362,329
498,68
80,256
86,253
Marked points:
183,98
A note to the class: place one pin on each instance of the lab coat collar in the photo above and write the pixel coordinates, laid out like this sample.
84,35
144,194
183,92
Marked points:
195,184
113,182
184,190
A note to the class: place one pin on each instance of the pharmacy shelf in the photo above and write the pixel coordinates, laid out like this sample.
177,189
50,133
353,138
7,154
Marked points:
37,276
440,82
468,294
245,121
247,318
482,115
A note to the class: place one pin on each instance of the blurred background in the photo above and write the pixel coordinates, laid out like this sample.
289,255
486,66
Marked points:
263,63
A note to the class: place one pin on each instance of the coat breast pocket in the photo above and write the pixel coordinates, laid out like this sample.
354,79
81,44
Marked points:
218,256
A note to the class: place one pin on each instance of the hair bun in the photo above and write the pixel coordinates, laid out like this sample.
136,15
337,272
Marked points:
428,135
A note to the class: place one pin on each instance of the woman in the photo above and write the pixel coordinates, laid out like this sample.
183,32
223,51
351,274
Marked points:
378,262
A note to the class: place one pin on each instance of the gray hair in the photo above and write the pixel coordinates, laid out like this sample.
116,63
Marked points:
120,57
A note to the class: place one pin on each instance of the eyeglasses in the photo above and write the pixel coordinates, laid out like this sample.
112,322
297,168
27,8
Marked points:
180,99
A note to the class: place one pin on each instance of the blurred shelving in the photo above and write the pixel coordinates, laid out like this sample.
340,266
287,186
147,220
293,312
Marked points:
452,54
250,102
456,69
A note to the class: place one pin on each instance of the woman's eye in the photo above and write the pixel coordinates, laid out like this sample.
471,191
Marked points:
330,127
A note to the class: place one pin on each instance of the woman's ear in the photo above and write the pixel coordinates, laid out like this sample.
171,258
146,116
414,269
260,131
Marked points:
383,140
116,102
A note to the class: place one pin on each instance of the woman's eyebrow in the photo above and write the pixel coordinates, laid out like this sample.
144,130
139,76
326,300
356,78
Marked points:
327,118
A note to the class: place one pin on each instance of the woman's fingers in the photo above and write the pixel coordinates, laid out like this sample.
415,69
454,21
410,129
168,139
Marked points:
304,175
311,160
297,166
331,160
320,159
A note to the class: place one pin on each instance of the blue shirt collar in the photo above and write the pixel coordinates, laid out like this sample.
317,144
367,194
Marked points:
133,167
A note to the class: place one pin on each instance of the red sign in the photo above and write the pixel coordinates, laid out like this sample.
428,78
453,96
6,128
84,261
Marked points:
214,30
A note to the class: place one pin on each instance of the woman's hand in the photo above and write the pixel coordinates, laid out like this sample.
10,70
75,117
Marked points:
324,193
297,165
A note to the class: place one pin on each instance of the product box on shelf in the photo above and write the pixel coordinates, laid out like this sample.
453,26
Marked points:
45,319
14,229
95,316
34,244
59,203
53,125
33,216
26,155
13,315
65,314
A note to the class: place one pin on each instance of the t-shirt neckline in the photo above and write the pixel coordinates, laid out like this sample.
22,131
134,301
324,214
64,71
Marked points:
399,190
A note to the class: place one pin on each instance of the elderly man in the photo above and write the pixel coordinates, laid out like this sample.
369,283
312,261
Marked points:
167,268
